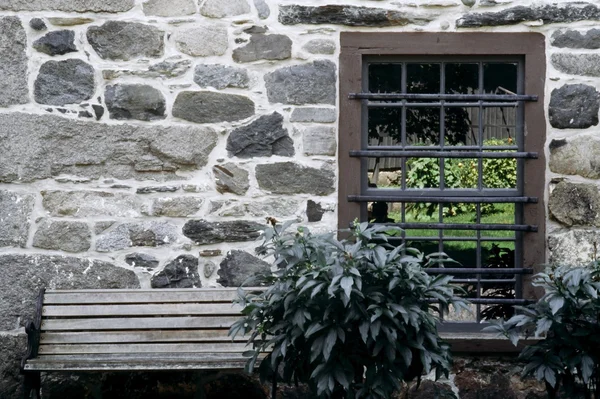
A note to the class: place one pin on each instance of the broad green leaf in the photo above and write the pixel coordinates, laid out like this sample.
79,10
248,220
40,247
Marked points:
346,284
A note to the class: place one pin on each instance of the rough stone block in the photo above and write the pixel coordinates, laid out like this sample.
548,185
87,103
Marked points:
239,267
43,146
202,41
264,47
15,214
211,107
135,101
167,69
23,275
63,235
312,83
204,232
280,207
57,42
575,39
319,46
169,8
575,204
314,211
292,178
220,76
146,234
119,40
176,206
221,9
579,156
67,5
64,82
13,346
91,203
312,114
574,107
347,15
14,88
141,260
263,9
577,64
181,272
319,140
264,137
575,246
231,179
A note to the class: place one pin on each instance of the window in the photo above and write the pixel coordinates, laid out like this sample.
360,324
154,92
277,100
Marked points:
443,135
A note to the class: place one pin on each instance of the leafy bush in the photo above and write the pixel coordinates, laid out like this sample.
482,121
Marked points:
351,318
568,319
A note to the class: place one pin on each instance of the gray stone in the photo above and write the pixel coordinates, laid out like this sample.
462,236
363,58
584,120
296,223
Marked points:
15,214
231,179
577,64
12,348
202,41
575,204
23,275
135,101
311,114
579,156
42,146
63,235
69,21
83,204
119,40
208,268
204,232
141,260
210,252
165,70
273,208
169,8
64,82
575,246
211,107
264,47
181,272
68,5
14,88
319,140
312,83
98,111
320,46
57,42
220,76
574,107
262,8
240,268
256,29
264,137
292,178
100,227
492,3
469,3
220,8
37,24
347,15
547,13
314,211
575,39
176,206
146,234
157,189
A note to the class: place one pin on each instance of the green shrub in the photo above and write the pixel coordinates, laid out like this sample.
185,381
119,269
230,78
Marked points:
351,318
567,318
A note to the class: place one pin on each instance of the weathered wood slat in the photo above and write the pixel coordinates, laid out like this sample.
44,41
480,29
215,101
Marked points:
138,336
170,309
144,348
138,323
139,357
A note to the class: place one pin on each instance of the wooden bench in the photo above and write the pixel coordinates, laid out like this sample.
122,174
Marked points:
132,330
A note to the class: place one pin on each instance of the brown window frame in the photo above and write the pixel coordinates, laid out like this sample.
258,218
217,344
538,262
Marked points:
358,46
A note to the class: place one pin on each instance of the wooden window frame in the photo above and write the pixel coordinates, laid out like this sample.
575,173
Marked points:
356,46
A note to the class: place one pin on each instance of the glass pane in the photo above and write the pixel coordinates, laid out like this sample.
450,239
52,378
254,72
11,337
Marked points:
385,126
500,255
500,78
423,126
423,78
459,213
462,78
461,126
500,173
463,252
499,126
385,172
461,173
422,173
385,78
426,247
462,315
498,214
423,212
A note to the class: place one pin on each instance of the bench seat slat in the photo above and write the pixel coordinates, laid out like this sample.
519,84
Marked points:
138,336
144,348
155,296
138,323
178,309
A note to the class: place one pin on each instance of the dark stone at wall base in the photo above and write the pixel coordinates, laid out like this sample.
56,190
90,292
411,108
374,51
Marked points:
203,232
12,348
23,275
574,106
241,268
57,42
547,13
427,390
135,101
119,40
182,272
575,39
312,83
211,107
292,178
64,82
575,204
264,137
346,15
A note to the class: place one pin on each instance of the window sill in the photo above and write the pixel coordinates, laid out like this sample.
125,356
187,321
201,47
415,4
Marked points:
484,343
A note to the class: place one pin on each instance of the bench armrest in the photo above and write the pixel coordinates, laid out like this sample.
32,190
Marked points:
32,328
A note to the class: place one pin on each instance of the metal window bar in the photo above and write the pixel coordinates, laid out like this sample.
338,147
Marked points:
443,199
442,154
445,97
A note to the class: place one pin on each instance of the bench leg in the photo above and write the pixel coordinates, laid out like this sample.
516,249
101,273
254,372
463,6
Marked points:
32,383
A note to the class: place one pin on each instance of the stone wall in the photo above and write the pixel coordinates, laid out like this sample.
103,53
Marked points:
143,142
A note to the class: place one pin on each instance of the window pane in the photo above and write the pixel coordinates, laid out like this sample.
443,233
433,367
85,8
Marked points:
385,172
423,78
385,78
385,126
499,123
461,173
422,173
461,126
498,76
423,212
423,126
463,252
462,78
498,214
